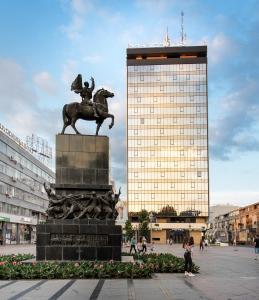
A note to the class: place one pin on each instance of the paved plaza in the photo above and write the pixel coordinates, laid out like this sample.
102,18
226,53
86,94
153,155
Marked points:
225,274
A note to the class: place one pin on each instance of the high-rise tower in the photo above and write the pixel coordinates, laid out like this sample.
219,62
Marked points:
167,137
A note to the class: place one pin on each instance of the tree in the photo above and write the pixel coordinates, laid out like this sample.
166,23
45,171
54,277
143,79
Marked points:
143,229
128,230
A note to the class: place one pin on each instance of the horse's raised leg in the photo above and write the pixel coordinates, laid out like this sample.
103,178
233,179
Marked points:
99,124
73,124
112,122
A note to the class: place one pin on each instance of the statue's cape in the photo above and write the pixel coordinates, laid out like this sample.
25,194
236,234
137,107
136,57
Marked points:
76,85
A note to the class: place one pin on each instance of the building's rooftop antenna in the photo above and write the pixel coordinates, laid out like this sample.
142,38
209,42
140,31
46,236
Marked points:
183,34
167,40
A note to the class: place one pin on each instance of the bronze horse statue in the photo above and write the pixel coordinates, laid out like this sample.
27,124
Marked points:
75,110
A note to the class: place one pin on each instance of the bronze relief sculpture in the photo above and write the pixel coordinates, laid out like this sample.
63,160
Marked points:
91,110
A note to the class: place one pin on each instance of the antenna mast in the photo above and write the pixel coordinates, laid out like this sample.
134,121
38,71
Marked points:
183,34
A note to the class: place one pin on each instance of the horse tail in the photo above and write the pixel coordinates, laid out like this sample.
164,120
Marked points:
65,118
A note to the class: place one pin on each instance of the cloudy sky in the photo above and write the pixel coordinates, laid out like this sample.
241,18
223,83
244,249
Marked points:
46,43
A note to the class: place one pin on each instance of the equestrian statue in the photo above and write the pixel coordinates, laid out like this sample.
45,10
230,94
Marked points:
90,110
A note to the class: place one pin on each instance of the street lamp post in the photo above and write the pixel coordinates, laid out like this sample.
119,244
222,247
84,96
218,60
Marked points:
151,216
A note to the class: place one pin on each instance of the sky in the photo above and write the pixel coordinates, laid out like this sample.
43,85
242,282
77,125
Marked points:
45,43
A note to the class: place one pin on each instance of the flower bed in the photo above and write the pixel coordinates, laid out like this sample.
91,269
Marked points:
164,262
12,267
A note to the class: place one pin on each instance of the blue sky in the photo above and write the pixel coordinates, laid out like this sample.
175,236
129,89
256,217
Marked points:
46,43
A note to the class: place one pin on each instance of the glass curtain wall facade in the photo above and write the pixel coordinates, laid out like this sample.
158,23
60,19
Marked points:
167,137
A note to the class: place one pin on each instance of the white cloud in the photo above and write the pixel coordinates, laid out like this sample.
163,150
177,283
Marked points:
93,59
221,47
79,10
45,82
69,71
240,198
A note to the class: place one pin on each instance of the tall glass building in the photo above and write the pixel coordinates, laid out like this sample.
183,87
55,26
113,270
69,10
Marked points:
167,137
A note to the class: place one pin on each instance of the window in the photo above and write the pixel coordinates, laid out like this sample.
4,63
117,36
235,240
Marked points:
142,121
199,196
135,109
174,77
198,173
182,153
161,88
172,99
142,164
161,131
135,68
141,77
174,120
157,78
198,131
171,142
138,99
159,163
192,163
197,66
152,196
181,131
191,98
135,153
182,109
155,185
162,174
154,99
198,152
139,185
135,89
151,109
152,153
135,174
172,185
192,142
135,132
155,142
136,196
182,174
181,88
198,108
176,164
188,77
182,195
151,68
193,185
197,87
139,142
158,121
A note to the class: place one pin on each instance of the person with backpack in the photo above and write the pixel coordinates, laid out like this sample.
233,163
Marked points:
188,249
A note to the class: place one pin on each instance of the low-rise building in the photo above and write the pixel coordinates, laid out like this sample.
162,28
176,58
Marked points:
23,200
240,224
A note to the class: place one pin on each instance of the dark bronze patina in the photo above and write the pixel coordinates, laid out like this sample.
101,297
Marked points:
96,110
86,205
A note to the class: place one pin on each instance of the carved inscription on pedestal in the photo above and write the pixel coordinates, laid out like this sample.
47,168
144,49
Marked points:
91,240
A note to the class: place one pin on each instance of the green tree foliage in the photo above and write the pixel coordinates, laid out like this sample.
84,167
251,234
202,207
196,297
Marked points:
143,216
128,230
143,229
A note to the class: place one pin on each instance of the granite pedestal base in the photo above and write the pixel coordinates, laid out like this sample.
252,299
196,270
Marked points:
78,240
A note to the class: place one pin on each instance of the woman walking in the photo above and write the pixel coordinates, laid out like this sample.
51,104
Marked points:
188,247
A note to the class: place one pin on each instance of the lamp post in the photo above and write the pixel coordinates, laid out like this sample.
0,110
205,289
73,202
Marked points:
151,216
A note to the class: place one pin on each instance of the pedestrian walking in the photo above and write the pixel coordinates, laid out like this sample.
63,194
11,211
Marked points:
188,253
202,243
256,244
133,244
144,245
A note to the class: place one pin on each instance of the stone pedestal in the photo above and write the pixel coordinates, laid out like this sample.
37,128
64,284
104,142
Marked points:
82,167
82,164
78,240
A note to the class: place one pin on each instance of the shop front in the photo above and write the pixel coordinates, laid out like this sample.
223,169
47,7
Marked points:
17,230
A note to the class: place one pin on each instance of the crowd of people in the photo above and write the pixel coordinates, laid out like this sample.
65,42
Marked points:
140,246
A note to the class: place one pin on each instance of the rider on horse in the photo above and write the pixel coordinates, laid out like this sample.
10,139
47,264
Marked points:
85,92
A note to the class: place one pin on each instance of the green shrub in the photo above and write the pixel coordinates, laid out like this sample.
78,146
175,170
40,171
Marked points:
12,267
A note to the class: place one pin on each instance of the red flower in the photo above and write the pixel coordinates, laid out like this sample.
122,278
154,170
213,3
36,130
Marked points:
14,263
2,263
